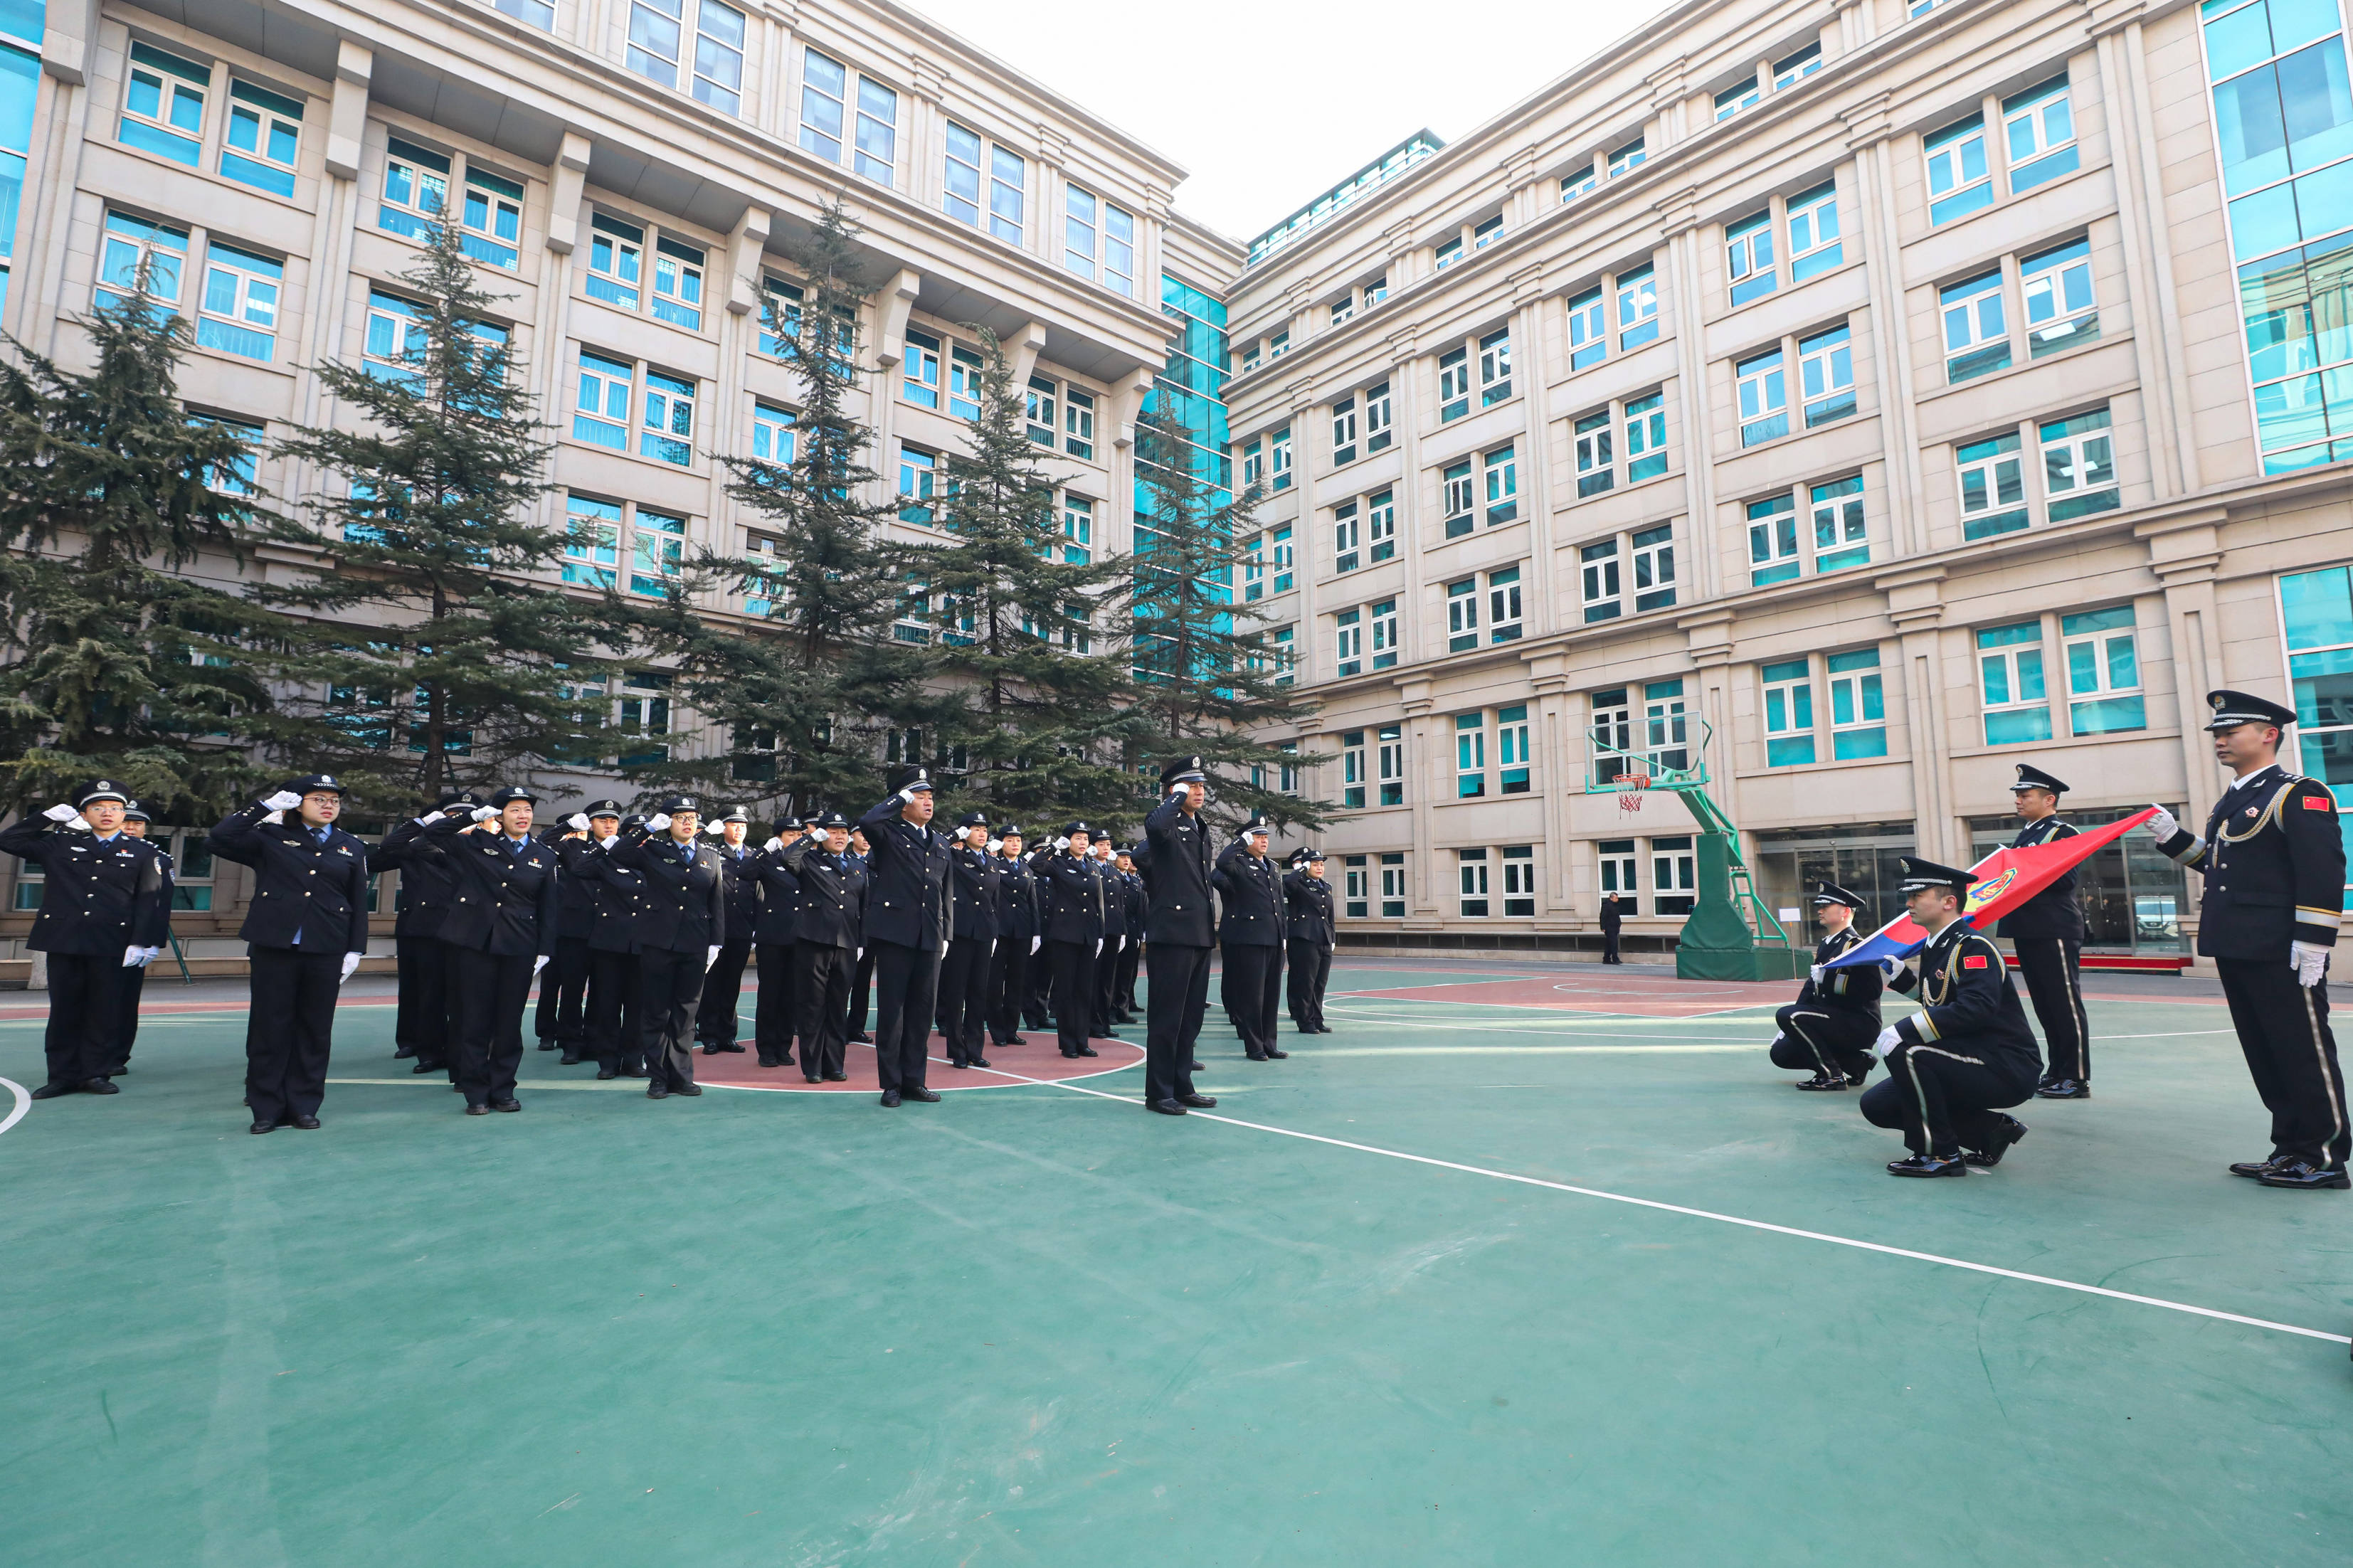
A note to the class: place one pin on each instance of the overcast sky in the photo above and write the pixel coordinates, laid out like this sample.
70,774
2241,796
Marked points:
1270,102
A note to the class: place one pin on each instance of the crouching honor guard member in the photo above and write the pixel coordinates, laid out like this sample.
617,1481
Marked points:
1830,1028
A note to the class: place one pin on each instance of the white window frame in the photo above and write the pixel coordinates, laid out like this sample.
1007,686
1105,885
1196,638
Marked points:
1761,383
1784,706
1651,554
1382,618
1825,370
1380,525
1379,418
1459,499
1347,535
1579,183
1504,620
1348,643
774,439
824,97
676,294
252,307
1388,766
1495,367
2061,298
667,432
1812,221
258,106
1957,168
1462,615
1470,756
610,374
1750,269
1344,431
1601,580
2020,662
2038,132
875,151
128,244
1471,874
1991,484
1973,316
170,85
1638,307
2101,644
1453,384
1588,329
1500,479
619,259
2078,467
1642,436
1841,529
1739,96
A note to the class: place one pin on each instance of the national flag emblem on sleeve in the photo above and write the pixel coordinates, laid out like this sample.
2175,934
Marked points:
1975,963
2317,803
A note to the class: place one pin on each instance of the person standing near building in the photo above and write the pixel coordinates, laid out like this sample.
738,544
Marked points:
561,1021
1251,936
1123,1007
97,921
861,973
827,939
1830,1029
1038,1003
1612,918
909,924
1180,933
716,1024
963,1002
1074,899
1311,931
1018,937
2274,860
503,920
2046,932
135,823
681,925
424,1020
305,932
775,935
1105,984
613,889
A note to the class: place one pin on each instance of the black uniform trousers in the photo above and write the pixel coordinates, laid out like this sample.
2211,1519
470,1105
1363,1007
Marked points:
1070,971
861,989
822,992
1174,1001
1944,1095
562,995
2054,984
1609,948
85,1009
909,978
612,1009
1038,1003
1311,970
422,1018
130,988
668,986
288,1031
491,989
963,1000
774,1012
1131,958
1008,987
715,1023
2291,1054
1819,1040
1252,992
1105,999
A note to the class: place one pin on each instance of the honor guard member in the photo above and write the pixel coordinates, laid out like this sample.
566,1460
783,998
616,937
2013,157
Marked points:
1829,1029
909,923
1103,1017
861,975
1307,900
776,933
1074,898
611,1023
1124,1009
2047,933
562,1019
715,1023
2274,868
1250,935
305,932
99,919
423,1022
505,914
827,939
962,1001
1179,932
1020,935
681,926
1967,1054
134,980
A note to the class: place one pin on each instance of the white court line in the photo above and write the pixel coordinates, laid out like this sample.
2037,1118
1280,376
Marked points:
23,1104
1392,1022
1320,1052
1736,1219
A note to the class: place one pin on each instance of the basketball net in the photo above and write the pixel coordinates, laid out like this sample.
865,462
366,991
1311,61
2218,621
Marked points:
1630,787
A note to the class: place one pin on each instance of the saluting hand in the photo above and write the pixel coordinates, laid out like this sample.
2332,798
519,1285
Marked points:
772,845
284,800
659,822
62,814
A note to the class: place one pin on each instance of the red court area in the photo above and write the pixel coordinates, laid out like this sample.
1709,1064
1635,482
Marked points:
1039,1061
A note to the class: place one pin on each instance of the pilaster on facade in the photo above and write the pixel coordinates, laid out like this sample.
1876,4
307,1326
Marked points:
347,114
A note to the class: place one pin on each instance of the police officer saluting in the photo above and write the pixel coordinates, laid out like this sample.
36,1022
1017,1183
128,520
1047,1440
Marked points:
306,931
1307,898
681,926
561,1021
1116,938
1250,935
133,978
775,933
715,1023
2047,931
502,931
2274,868
962,1001
1830,1029
909,923
425,1020
613,891
1074,899
1179,932
1020,935
1131,956
828,938
99,918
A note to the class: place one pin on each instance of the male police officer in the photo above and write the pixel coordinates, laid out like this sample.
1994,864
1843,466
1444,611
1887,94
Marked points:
681,926
424,1020
827,939
775,934
715,1023
134,980
909,924
2275,867
614,1037
504,918
1307,900
861,973
305,932
99,919
1250,935
561,1020
1179,934
962,1001
1124,1009
1829,1029
1954,1065
2047,931
1102,998
1074,898
1020,935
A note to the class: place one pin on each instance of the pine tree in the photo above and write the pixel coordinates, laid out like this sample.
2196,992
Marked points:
1205,669
122,663
467,672
1041,708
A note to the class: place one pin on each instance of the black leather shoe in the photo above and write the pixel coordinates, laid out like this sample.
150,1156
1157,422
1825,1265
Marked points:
954,1063
709,1049
810,1078
1255,1055
474,1108
2256,1167
836,1077
634,1069
1013,1040
1165,1106
890,1097
1323,1028
861,1038
1854,1079
54,1090
1107,1035
568,1059
2063,1088
1825,1082
2303,1176
403,1053
769,1061
2007,1131
656,1091
260,1127
1089,1051
977,1062
1069,1056
687,1089
1928,1165
506,1105
307,1123
1195,1066
1198,1101
100,1086
784,1060
1275,1056
547,1045
928,1096
606,1073
426,1067
737,1049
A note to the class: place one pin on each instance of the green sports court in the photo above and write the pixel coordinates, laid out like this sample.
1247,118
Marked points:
1526,1263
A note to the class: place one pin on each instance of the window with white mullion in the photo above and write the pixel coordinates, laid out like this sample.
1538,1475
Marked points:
2038,129
1813,223
1347,537
1380,525
2061,311
1976,327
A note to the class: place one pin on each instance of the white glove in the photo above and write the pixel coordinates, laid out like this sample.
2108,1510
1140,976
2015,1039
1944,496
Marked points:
578,823
537,963
273,817
153,954
284,800
908,795
351,966
80,823
1888,1040
1061,844
2310,962
859,954
483,813
1035,943
717,830
658,822
1818,972
995,845
1098,947
772,845
1175,790
134,957
2162,824
943,950
816,832
1119,944
1777,1039
430,817
62,814
709,957
1889,969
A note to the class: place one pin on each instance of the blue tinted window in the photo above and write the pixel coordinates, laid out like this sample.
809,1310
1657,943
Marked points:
2318,607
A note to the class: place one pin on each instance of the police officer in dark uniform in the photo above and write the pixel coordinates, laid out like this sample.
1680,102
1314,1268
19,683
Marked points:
861,973
1038,1003
305,932
1613,921
1020,935
681,926
133,979
2047,933
828,938
910,922
562,1019
1072,896
1179,934
775,933
715,1023
2274,860
97,921
1106,1011
1123,1007
1251,936
1829,1029
424,1021
1307,900
962,1001
504,914
611,1023
1967,1055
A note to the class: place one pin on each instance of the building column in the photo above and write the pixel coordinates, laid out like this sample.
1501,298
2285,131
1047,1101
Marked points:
1916,604
1891,350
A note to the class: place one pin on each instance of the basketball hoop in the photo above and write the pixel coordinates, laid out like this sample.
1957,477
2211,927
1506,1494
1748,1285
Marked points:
1629,791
